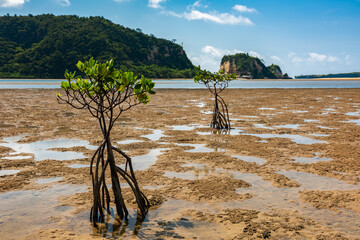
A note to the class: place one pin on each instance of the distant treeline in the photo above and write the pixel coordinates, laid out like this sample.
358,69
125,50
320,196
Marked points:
336,75
44,46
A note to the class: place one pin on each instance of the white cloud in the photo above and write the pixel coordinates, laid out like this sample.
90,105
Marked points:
210,57
276,59
297,59
291,54
192,13
64,3
255,54
314,58
221,18
171,13
155,3
244,9
197,4
347,59
212,51
12,3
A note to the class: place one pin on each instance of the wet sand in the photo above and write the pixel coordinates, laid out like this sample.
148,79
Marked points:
289,168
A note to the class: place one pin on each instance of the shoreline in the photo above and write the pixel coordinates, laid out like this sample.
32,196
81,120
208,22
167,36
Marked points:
182,79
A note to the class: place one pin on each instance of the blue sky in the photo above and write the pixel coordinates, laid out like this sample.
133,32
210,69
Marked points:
303,37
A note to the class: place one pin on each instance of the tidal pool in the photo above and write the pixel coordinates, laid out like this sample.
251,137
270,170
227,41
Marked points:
295,138
129,141
356,121
197,148
76,165
48,180
143,162
155,136
256,160
232,131
40,149
7,172
23,212
310,160
311,181
17,157
292,126
266,198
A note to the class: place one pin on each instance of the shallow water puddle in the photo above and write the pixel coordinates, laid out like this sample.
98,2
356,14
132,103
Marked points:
328,111
319,134
17,157
7,172
265,108
183,127
129,141
292,126
76,165
323,127
199,148
249,116
256,160
232,131
310,160
311,181
22,212
311,120
207,112
295,138
267,197
48,180
165,222
155,136
196,103
143,162
353,113
356,121
153,187
260,125
40,149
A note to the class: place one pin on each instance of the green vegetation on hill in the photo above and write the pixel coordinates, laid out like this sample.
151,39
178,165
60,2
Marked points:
43,46
246,66
336,75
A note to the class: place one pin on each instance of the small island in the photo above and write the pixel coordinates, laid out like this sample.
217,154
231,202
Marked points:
245,66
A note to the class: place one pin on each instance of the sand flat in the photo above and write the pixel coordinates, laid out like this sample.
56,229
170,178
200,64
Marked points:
209,193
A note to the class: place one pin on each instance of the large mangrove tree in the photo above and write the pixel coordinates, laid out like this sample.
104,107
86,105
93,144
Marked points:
106,93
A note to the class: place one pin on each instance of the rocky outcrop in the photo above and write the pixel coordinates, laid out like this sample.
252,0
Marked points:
245,66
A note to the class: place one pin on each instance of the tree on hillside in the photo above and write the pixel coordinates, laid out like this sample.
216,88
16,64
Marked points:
216,83
106,94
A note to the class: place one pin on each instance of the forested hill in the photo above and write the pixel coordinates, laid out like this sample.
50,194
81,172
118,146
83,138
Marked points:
245,66
336,75
44,46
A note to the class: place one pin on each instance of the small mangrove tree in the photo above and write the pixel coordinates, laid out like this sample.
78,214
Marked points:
106,93
216,83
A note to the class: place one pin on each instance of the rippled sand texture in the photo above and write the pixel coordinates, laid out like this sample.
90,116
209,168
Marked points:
289,168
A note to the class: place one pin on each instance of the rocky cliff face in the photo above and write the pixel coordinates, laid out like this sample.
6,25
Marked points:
245,66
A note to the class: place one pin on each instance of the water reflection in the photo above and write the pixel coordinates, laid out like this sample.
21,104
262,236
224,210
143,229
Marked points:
165,222
40,149
115,227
